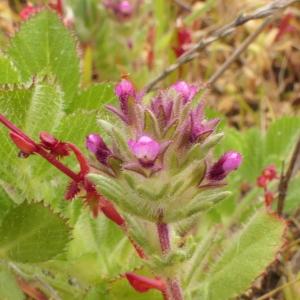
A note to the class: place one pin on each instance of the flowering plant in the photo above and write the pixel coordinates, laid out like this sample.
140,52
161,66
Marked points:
151,172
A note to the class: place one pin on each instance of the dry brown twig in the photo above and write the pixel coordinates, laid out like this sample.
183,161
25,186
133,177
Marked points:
238,51
260,13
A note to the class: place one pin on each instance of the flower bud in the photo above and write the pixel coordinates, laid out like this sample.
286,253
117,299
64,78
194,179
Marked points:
143,284
125,9
47,140
187,91
124,90
96,145
230,161
25,146
145,150
269,198
110,212
262,181
270,172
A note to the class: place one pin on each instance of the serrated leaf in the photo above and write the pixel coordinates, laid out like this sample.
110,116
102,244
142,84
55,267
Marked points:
14,102
95,97
45,111
244,259
8,72
44,46
32,233
102,245
9,289
76,126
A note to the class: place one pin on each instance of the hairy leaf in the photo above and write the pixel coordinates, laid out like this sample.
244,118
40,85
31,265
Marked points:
44,46
94,97
281,137
8,72
99,242
32,233
45,110
244,258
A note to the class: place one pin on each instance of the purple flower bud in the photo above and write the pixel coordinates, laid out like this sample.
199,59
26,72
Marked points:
124,90
122,9
145,150
199,127
162,109
125,9
96,145
187,91
230,161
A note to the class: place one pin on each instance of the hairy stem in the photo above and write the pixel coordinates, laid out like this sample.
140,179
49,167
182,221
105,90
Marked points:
174,290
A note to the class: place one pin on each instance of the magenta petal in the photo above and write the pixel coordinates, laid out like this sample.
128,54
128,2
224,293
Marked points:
92,142
96,145
125,8
145,149
229,162
232,161
187,91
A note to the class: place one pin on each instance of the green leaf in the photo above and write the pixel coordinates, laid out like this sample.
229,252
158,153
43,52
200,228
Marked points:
292,201
9,289
14,102
244,259
253,152
8,72
100,244
94,97
32,233
45,110
76,126
281,137
44,46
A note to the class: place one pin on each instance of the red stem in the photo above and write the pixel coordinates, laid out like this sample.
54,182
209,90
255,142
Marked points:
56,163
174,291
164,238
84,165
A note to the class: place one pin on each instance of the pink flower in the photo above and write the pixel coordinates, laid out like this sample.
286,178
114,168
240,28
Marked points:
229,162
125,9
96,145
145,150
187,91
124,90
122,9
270,172
28,11
200,128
